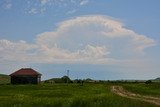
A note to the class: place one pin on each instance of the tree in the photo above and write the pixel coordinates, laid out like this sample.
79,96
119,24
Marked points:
66,79
148,82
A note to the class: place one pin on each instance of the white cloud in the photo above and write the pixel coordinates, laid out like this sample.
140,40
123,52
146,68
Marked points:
71,11
43,2
33,11
12,51
8,6
36,11
95,30
40,6
86,39
84,2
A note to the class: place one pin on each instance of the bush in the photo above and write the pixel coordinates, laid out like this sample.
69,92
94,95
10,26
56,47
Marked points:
148,82
66,79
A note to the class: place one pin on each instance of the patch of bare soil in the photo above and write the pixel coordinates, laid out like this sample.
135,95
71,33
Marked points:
124,93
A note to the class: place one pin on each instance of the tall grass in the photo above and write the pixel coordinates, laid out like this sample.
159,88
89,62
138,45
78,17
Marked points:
152,89
63,95
4,79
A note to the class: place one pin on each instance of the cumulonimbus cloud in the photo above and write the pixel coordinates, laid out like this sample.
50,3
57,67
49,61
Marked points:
86,39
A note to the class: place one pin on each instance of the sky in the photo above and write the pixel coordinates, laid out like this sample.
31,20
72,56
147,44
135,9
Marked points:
98,39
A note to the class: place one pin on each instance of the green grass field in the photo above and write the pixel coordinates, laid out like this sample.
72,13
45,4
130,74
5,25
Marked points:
4,79
63,95
144,89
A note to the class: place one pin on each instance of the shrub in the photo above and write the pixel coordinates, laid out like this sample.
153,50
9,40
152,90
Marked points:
148,82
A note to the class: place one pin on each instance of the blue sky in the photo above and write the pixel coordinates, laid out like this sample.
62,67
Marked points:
99,39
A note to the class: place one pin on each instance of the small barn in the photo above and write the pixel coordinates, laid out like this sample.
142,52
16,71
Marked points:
25,76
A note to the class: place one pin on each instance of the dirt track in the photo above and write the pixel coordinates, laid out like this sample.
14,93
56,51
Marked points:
124,93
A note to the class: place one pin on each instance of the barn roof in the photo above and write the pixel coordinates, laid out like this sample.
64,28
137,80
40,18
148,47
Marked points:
25,71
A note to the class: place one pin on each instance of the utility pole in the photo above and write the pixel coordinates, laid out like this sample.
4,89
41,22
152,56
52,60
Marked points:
68,73
68,76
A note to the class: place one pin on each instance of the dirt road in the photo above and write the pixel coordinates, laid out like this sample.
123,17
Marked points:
124,93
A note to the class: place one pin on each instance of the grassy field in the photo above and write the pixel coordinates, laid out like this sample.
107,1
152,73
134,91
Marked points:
4,79
144,89
63,95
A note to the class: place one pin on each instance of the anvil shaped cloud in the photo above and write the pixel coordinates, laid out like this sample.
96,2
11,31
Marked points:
86,39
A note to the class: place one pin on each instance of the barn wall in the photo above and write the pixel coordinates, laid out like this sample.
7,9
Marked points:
39,79
24,80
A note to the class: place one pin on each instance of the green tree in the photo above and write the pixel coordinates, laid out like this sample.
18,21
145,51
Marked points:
66,79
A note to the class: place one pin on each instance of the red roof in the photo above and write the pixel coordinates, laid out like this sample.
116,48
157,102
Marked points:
25,71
